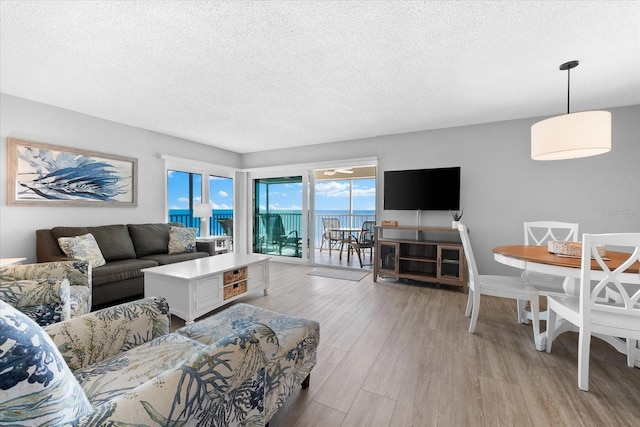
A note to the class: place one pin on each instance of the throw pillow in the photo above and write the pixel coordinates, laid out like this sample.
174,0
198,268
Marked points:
84,248
36,385
181,240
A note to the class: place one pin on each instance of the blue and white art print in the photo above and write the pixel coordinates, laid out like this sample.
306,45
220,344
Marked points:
49,174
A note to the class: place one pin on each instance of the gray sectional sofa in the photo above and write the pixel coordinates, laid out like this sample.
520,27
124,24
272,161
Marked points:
127,250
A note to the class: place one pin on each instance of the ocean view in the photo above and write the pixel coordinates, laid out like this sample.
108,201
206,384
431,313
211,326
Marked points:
292,219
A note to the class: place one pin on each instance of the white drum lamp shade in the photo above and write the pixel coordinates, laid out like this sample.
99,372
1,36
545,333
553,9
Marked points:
571,136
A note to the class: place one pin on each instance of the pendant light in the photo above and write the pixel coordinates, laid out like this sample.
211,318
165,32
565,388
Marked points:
572,135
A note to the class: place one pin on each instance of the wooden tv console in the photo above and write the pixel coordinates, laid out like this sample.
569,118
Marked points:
420,253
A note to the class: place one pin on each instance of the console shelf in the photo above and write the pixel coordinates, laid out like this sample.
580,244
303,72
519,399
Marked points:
427,254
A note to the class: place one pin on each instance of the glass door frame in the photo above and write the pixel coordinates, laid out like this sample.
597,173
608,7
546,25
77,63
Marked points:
281,172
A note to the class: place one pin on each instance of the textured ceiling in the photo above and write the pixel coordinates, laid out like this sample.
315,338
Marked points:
250,76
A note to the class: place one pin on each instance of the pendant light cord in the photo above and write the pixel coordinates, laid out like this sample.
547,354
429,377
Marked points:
568,88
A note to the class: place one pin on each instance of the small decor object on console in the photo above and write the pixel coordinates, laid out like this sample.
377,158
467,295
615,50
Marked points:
457,216
389,223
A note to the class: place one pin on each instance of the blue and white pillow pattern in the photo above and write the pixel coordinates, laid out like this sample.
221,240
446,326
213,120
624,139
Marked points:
182,240
84,248
36,385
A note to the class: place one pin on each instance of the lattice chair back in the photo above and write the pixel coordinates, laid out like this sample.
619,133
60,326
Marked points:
539,233
616,298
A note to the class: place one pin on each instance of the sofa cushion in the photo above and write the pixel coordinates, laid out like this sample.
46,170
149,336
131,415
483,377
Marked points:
127,370
68,231
163,259
120,270
114,241
36,385
181,240
149,239
83,247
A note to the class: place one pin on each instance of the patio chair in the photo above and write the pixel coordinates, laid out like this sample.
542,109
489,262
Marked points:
366,241
277,236
334,238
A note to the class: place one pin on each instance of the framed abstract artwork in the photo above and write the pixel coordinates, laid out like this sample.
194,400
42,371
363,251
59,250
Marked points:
45,174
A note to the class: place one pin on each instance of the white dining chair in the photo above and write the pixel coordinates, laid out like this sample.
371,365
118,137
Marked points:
610,306
538,233
513,287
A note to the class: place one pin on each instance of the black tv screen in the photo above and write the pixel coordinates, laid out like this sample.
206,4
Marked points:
422,189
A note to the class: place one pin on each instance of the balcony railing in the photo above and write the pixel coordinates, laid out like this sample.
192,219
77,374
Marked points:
188,220
291,221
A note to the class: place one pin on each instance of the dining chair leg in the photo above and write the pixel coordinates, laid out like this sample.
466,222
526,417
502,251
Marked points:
551,326
631,350
522,311
584,344
535,314
474,313
467,311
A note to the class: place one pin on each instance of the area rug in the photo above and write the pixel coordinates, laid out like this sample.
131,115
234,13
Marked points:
337,273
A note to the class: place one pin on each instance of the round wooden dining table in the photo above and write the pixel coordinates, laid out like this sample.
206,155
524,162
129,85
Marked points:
540,260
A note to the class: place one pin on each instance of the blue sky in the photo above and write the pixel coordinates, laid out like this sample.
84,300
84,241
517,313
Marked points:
334,195
330,195
220,189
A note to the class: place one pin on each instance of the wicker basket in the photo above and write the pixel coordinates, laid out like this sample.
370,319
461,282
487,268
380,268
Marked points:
573,249
233,290
235,275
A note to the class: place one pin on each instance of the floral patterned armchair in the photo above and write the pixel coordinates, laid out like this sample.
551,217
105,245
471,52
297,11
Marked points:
48,292
121,366
46,301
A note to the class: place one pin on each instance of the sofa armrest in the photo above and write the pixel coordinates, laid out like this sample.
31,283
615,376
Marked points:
47,249
222,384
78,272
94,337
46,301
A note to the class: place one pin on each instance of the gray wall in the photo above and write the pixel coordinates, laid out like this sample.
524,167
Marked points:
501,185
33,121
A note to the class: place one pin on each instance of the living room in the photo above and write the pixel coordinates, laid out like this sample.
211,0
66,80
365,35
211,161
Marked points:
501,186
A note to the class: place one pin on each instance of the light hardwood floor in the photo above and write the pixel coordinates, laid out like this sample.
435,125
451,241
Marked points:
397,354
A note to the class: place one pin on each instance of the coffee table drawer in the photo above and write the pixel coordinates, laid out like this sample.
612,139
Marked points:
234,290
236,275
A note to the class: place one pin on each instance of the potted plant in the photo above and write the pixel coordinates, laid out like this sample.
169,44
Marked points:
456,215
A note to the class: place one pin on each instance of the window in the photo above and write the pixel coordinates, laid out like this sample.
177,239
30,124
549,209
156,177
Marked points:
190,182
221,200
184,189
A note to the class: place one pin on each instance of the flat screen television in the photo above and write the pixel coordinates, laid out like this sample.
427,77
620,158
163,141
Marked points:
422,189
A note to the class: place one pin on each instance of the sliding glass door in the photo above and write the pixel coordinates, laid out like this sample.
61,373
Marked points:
278,216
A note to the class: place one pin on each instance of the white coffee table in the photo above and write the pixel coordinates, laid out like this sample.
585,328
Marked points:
194,288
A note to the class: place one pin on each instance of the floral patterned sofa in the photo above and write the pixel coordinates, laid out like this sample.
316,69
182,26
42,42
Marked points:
121,366
48,292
